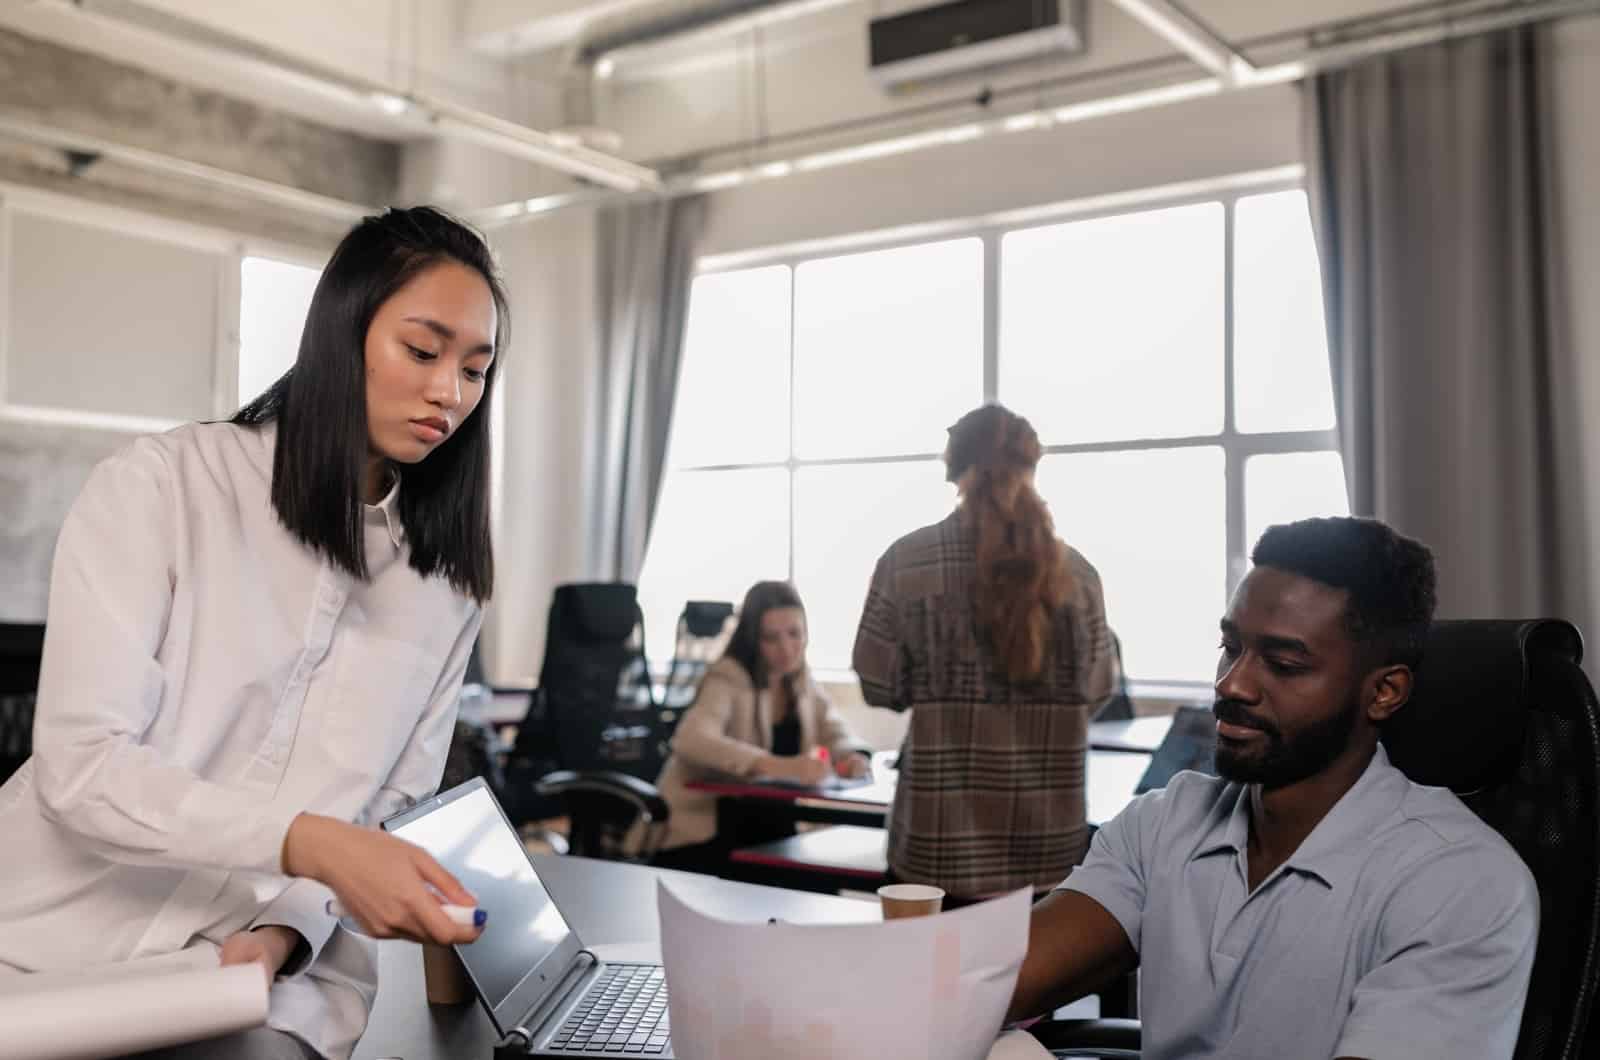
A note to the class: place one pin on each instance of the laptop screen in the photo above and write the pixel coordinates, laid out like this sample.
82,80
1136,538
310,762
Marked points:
1191,743
468,836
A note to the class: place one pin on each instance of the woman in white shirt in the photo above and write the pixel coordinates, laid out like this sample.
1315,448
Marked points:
256,638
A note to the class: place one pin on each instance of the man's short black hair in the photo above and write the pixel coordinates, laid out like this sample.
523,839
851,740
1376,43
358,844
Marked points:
1390,578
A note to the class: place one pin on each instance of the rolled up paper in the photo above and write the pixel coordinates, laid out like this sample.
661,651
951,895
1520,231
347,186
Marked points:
128,1008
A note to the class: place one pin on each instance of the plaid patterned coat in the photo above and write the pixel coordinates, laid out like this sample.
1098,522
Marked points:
991,793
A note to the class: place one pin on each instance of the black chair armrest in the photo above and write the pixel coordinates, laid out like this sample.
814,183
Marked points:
639,793
1103,1038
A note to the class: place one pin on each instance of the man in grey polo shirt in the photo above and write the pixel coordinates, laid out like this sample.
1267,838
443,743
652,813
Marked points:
1312,902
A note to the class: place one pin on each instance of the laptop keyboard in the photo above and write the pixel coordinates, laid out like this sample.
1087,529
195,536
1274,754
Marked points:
624,1011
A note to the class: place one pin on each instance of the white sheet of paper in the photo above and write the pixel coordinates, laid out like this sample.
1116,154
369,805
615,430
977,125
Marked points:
1018,1045
933,987
114,1009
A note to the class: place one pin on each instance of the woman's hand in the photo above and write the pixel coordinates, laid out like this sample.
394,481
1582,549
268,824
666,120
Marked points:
393,888
852,765
270,945
795,769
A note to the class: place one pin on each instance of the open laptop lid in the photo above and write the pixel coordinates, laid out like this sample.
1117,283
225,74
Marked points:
527,946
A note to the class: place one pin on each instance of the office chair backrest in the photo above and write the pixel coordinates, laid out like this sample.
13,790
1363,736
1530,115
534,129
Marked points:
594,686
1119,705
1503,715
21,650
701,636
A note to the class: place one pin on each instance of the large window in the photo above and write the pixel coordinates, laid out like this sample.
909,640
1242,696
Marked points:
273,299
1172,360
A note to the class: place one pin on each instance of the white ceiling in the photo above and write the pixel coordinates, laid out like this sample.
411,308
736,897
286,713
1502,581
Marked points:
509,56
695,94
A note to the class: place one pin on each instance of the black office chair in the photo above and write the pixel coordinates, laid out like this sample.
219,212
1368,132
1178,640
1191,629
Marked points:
595,723
1119,706
21,650
1503,715
605,806
702,633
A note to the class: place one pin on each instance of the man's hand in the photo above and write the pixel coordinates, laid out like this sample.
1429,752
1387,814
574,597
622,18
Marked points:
270,945
1075,947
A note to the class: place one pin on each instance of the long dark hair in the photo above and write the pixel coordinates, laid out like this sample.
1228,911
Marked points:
744,646
1022,568
320,406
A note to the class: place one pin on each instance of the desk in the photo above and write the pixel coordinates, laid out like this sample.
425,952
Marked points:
612,907
826,858
506,706
1112,777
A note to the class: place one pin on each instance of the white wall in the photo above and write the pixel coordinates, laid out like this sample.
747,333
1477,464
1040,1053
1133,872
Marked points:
550,271
141,338
1200,139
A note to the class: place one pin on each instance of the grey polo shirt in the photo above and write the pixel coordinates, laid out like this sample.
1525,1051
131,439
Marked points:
1403,926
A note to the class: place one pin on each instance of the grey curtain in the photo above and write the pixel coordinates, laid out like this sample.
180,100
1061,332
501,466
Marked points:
645,261
1432,184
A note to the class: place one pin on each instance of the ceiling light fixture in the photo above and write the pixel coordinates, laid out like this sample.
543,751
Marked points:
896,145
1131,101
390,104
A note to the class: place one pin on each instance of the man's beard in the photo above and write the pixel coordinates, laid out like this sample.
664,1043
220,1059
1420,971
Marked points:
1282,762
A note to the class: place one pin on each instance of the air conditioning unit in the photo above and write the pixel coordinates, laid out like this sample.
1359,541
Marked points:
968,36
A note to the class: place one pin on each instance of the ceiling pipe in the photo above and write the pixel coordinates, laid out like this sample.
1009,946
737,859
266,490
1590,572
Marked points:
154,162
1281,68
1189,35
441,116
632,31
590,56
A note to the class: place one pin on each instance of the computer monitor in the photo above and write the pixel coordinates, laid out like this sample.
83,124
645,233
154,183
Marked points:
1191,743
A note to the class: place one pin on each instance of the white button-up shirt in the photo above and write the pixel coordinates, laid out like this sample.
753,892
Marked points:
206,678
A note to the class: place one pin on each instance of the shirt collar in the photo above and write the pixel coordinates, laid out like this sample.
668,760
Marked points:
1230,833
388,511
263,447
1333,851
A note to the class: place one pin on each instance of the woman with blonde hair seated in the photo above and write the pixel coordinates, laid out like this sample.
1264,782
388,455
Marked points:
992,632
759,714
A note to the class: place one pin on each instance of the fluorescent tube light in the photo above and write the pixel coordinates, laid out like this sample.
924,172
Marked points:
1130,101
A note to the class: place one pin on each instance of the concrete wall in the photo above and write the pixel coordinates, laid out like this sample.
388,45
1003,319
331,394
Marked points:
82,92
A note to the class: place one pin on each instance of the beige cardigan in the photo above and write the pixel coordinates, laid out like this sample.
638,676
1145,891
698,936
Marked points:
725,732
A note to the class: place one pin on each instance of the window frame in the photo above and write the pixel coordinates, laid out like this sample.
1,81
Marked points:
1237,446
230,249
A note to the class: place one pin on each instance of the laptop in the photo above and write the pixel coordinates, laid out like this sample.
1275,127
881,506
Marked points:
545,992
1191,743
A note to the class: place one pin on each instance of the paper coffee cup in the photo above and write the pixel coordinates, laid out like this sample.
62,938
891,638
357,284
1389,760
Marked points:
443,976
909,899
